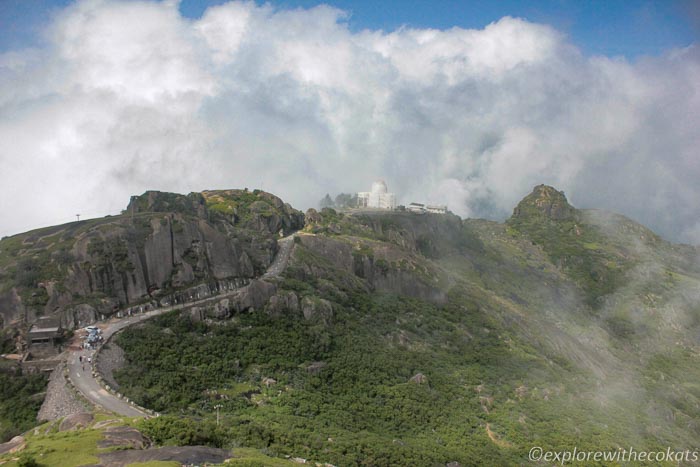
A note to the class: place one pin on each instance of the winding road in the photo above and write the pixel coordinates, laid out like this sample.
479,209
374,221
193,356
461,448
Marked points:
81,374
281,258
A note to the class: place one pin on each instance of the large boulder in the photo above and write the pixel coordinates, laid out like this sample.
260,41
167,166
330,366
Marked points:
75,421
220,309
123,437
253,296
315,308
283,302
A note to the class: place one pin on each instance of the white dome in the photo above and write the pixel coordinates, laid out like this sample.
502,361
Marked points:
379,187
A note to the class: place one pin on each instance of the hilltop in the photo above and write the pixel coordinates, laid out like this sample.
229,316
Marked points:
162,243
389,338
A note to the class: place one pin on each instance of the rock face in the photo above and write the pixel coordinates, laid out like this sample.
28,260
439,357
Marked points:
545,201
78,316
418,378
254,296
315,308
123,437
184,455
163,243
388,269
16,444
283,302
75,421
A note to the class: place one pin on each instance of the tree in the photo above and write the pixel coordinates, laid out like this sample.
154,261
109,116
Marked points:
346,200
326,202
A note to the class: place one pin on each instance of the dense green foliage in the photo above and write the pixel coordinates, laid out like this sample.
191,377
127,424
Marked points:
561,328
575,247
358,406
178,431
241,206
531,349
20,400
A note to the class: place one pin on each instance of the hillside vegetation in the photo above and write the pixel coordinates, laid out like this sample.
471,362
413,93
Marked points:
393,338
403,339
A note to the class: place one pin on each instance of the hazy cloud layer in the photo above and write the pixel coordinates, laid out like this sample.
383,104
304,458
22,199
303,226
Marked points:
129,96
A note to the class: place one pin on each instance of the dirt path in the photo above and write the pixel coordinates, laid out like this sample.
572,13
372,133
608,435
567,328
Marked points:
496,440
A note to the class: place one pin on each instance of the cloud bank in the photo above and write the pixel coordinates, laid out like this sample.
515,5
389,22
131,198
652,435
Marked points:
130,96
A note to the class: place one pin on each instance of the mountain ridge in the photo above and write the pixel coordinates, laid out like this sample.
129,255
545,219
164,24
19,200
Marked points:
504,325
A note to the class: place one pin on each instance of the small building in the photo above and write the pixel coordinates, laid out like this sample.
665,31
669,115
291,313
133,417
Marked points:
436,209
421,208
44,333
416,207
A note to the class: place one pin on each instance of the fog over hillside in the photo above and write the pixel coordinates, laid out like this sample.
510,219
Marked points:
128,96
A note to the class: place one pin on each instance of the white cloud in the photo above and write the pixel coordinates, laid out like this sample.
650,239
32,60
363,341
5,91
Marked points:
129,96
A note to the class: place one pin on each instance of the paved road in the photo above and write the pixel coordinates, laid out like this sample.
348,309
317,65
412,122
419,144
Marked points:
81,374
280,262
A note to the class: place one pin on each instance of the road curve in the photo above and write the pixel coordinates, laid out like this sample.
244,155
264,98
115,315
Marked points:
81,374
281,258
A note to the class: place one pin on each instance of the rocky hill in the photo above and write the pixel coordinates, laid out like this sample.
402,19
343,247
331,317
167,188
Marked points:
162,243
389,338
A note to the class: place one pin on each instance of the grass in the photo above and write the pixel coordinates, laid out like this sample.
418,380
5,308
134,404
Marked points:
63,449
248,457
155,464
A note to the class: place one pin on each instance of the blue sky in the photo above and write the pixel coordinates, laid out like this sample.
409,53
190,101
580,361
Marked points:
126,96
630,28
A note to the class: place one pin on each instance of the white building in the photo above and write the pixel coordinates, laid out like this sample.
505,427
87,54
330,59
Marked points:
378,198
436,209
416,207
421,208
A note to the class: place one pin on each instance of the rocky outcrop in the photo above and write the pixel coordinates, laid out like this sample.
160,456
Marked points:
16,444
314,308
163,243
418,378
313,217
123,437
11,307
283,302
76,421
253,296
365,265
184,455
78,316
547,202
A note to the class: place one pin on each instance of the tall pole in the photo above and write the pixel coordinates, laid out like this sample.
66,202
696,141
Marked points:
217,407
78,216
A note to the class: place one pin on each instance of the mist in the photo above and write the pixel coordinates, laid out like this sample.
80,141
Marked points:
125,97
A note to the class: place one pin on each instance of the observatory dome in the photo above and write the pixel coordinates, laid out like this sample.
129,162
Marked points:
379,187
